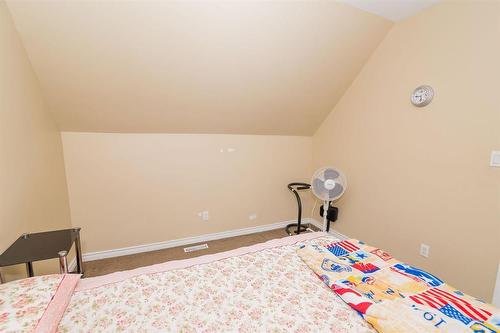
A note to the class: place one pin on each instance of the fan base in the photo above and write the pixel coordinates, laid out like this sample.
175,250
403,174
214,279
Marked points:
293,228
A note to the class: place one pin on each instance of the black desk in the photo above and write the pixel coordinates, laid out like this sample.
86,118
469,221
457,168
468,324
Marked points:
44,245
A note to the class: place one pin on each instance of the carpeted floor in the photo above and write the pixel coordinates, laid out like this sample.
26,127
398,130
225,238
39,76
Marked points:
105,266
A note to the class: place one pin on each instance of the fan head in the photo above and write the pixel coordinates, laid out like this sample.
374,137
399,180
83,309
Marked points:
328,184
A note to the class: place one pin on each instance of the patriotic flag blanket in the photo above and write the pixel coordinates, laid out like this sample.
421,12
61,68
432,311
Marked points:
393,296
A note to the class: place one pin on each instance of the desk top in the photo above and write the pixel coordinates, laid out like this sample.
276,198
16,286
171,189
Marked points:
39,246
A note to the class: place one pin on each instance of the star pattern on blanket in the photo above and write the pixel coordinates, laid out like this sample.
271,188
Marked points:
386,292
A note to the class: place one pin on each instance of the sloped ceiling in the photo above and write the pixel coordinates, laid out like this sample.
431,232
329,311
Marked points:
247,67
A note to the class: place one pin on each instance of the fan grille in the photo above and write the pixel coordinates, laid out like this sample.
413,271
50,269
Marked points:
328,184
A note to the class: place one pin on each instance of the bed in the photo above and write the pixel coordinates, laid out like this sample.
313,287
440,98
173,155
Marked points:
264,287
275,286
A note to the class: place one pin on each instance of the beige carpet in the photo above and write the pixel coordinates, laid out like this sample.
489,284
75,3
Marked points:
105,266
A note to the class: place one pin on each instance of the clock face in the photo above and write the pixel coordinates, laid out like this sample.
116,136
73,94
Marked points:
422,95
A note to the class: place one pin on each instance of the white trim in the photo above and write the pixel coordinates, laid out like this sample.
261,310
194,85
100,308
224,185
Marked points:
185,241
496,292
332,232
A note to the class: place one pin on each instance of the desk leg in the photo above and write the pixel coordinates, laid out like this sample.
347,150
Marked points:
63,262
79,261
29,269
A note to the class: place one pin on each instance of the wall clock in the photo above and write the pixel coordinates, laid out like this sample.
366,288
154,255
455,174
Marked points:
422,96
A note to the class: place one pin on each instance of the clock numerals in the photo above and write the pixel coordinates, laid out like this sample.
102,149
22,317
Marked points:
422,96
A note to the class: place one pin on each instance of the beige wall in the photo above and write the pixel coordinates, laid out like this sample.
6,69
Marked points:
132,189
415,175
421,175
33,192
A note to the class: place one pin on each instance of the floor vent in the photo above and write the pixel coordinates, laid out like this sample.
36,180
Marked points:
196,248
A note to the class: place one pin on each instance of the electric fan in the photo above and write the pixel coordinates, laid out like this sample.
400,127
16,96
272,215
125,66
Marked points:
328,184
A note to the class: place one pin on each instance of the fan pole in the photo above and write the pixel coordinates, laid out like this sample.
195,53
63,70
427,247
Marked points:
325,213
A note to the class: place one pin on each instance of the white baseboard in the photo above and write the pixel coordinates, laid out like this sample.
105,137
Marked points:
332,232
184,241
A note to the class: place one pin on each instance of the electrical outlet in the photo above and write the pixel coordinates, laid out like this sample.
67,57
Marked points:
424,250
203,215
495,158
252,216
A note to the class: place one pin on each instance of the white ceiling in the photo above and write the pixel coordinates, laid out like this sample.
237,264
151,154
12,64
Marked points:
394,10
247,67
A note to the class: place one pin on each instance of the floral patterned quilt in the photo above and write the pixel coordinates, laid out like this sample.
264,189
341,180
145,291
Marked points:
35,304
261,288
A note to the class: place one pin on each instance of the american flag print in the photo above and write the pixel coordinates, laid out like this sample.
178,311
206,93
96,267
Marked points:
387,292
342,248
451,305
337,250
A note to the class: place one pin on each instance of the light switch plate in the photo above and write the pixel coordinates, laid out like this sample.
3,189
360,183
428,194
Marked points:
495,158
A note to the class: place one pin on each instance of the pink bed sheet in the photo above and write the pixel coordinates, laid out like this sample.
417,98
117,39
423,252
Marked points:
55,310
